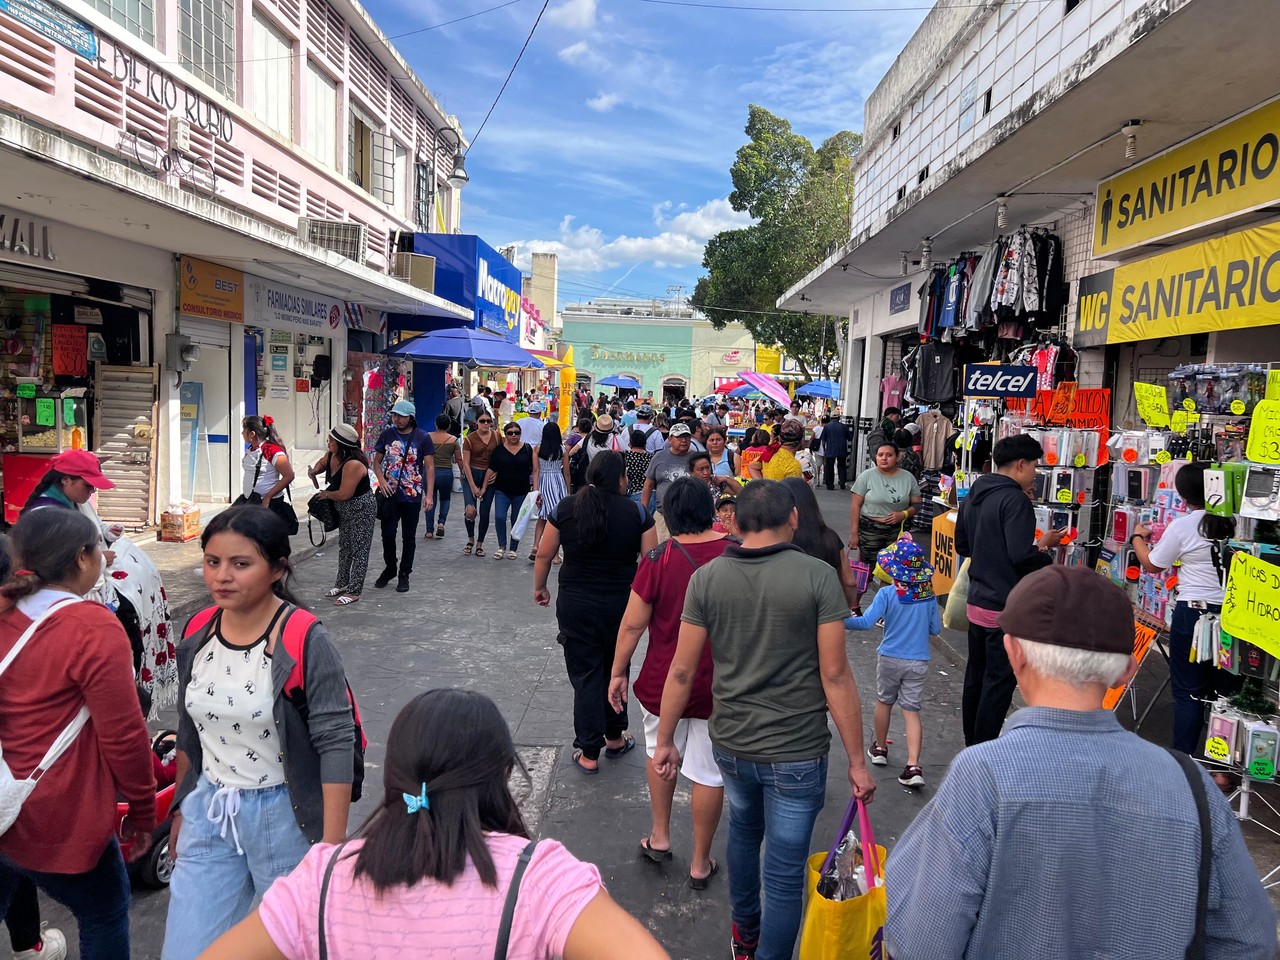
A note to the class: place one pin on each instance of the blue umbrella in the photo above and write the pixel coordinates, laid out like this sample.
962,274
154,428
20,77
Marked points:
619,381
746,392
824,389
474,348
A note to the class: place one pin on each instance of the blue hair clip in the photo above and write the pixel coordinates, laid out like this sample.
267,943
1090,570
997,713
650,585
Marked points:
417,803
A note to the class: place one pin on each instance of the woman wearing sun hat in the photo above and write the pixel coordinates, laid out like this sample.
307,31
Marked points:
346,470
910,614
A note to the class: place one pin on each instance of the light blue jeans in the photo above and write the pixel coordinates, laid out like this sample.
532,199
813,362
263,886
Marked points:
226,865
504,506
775,804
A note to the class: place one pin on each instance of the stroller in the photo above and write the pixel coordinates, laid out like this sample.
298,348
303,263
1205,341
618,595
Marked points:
155,869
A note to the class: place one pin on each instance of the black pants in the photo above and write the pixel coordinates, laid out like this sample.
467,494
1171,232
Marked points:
23,918
589,622
832,466
988,685
403,514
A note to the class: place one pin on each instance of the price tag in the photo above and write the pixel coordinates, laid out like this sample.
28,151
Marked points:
1163,457
1178,421
1064,496
69,411
1129,455
1153,403
1080,460
1080,498
26,390
1262,768
1189,405
959,476
1237,407
1264,433
1273,385
1051,458
46,411
1217,748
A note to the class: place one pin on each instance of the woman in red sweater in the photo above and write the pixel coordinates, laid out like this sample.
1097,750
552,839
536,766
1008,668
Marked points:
65,836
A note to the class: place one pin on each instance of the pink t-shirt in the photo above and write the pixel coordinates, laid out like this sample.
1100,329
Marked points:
431,920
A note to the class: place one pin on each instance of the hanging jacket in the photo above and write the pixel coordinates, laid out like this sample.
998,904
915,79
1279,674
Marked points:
984,276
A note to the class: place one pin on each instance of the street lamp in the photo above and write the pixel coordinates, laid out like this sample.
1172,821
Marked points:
458,178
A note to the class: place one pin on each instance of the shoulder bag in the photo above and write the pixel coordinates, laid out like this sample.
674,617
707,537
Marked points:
14,792
278,505
1191,770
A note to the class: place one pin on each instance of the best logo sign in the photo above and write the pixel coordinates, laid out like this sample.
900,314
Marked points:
998,380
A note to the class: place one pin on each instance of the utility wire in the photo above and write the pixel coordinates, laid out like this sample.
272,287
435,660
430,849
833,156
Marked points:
755,9
510,73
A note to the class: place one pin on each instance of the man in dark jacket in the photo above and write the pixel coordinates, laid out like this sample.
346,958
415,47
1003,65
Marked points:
835,451
996,530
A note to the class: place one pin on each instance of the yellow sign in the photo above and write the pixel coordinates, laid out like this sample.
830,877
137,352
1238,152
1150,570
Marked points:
1153,404
1220,284
1231,169
768,360
1264,433
568,382
1216,748
210,290
1179,421
1273,385
1251,604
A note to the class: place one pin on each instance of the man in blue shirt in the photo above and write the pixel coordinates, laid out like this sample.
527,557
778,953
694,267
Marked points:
1068,836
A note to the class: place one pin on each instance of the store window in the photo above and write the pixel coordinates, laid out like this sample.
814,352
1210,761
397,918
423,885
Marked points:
321,102
272,76
400,181
136,16
207,35
370,156
422,196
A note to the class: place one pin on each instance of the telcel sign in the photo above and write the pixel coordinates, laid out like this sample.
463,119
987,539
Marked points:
998,380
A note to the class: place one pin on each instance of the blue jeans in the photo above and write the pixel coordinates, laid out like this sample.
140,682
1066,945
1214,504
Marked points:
215,885
1192,683
98,899
482,507
443,492
504,506
775,804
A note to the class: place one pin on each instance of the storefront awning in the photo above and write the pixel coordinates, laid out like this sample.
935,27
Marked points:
549,359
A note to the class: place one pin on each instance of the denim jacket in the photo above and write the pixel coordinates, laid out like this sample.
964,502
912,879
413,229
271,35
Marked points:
316,752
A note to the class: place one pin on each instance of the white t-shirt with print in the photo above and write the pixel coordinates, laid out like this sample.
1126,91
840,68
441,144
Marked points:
1197,576
230,699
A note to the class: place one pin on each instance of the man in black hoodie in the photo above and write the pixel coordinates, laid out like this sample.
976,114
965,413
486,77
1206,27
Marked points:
996,530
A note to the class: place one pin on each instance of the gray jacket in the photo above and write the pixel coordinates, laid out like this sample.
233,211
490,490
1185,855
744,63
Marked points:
317,751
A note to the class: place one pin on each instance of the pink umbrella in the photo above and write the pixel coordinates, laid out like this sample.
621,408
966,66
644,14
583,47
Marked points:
770,387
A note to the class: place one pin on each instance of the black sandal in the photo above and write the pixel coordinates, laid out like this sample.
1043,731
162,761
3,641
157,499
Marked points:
628,744
653,854
701,883
577,762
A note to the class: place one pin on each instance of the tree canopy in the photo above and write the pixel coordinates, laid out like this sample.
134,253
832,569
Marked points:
800,198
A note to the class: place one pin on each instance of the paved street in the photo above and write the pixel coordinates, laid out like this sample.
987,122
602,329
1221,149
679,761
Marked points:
471,623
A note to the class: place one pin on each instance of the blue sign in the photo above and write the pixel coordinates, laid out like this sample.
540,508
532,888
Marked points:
899,298
54,23
998,380
473,275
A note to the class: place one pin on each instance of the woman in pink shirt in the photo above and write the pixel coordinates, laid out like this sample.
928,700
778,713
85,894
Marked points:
429,874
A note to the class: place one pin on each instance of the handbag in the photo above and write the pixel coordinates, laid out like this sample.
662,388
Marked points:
954,615
325,512
279,506
850,929
14,792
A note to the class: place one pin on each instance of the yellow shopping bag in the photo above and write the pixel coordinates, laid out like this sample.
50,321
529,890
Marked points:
845,929
879,571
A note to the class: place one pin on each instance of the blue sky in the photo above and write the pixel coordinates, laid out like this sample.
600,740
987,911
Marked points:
612,144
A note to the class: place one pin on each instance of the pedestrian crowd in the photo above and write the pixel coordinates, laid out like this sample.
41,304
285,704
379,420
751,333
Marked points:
658,523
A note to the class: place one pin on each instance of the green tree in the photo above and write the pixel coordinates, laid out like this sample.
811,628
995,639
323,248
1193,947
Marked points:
800,198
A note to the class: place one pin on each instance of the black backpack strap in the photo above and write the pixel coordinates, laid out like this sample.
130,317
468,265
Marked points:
324,893
1191,769
509,908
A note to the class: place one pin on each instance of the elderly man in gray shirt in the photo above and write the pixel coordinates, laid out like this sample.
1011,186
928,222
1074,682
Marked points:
1068,836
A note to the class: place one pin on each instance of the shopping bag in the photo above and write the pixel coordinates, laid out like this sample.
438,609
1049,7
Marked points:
954,616
527,510
879,570
861,573
850,929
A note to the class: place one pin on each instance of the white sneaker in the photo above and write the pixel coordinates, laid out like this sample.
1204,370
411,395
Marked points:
53,946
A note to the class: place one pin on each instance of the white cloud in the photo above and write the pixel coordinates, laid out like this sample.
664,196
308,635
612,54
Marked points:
574,14
679,242
604,102
576,52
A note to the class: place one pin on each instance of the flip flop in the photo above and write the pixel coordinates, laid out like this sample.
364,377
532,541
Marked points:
479,549
346,600
335,592
466,551
628,744
701,883
653,854
577,762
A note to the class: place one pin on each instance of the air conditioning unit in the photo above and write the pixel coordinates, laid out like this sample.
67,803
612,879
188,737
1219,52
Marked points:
340,236
417,270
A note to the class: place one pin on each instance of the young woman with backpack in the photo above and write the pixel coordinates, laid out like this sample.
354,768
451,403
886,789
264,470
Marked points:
261,775
75,659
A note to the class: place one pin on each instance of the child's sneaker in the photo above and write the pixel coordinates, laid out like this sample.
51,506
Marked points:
741,949
911,777
878,754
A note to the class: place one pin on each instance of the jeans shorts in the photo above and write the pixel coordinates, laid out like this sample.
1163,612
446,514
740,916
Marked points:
901,681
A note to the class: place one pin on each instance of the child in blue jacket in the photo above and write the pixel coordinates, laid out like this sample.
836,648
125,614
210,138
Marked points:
910,614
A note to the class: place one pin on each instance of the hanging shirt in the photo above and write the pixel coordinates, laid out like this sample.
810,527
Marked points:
950,298
891,389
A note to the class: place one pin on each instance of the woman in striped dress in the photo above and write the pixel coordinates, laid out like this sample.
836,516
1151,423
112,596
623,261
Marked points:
553,479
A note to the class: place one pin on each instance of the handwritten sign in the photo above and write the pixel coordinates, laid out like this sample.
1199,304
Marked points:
1264,433
1063,397
68,411
1273,385
1153,404
1251,604
1178,421
1189,405
70,350
1217,748
46,412
1089,409
26,390
1143,637
1237,407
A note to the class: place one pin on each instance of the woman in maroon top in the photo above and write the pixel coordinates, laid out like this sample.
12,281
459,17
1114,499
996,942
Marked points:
65,835
657,599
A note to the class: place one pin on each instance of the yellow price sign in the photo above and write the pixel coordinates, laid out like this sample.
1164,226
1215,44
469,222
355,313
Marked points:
1178,421
1189,405
1163,457
1064,496
1080,460
1264,433
1237,407
1273,384
1153,404
1251,602
1217,748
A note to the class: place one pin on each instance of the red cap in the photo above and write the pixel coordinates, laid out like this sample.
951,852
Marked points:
82,464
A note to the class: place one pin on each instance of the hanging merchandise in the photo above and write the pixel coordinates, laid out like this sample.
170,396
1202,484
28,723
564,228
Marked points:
933,377
935,429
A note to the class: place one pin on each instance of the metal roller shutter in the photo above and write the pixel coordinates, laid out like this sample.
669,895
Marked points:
125,415
210,333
